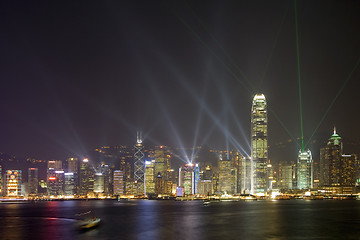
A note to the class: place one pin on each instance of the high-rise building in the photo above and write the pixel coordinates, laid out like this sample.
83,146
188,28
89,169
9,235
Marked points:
55,165
70,183
259,152
139,167
99,183
349,169
118,183
161,159
103,178
55,184
55,178
159,184
269,177
304,168
236,165
330,161
149,177
196,177
33,181
286,176
72,165
188,178
13,183
246,175
1,183
225,175
86,178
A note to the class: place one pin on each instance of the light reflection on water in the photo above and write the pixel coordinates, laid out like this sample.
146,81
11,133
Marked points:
292,219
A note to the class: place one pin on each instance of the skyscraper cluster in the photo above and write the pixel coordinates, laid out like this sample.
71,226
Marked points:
142,171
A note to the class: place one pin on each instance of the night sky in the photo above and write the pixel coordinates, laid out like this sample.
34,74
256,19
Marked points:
76,75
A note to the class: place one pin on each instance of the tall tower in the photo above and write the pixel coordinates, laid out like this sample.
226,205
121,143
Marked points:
330,161
304,170
33,181
86,178
139,166
13,183
259,154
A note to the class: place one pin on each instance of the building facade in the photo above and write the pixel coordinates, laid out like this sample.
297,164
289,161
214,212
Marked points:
304,169
118,182
13,183
259,151
33,181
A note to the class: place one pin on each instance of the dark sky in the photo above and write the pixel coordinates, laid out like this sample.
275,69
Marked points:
76,75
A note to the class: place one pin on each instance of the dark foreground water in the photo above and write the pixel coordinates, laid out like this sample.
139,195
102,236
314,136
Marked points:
292,219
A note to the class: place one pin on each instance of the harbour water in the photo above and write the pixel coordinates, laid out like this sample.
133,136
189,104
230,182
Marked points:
146,219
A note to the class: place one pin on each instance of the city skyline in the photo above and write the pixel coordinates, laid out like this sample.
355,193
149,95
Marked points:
183,74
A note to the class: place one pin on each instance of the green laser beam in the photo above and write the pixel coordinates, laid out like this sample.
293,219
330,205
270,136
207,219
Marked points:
283,125
334,100
299,75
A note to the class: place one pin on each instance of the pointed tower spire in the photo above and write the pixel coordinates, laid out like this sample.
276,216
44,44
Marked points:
334,130
138,137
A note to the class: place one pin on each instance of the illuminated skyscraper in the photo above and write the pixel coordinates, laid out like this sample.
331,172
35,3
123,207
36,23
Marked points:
55,178
69,183
1,182
118,182
139,166
33,181
336,168
72,165
259,153
159,184
330,161
13,183
99,183
269,177
246,175
225,175
304,168
286,176
349,169
149,177
188,178
86,178
196,177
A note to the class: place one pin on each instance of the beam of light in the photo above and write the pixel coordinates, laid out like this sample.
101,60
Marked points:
282,124
334,100
215,119
71,147
218,44
226,133
211,51
200,101
226,65
272,49
204,140
212,115
197,130
168,119
203,104
228,105
299,76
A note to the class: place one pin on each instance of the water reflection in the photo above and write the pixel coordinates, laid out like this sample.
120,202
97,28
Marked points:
184,220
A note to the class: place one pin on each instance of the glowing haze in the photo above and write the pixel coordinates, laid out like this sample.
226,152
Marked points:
79,75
